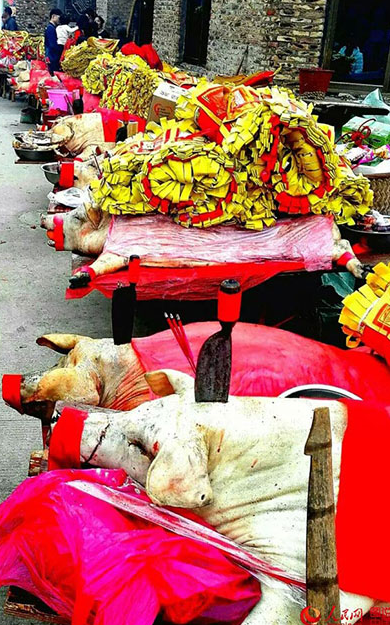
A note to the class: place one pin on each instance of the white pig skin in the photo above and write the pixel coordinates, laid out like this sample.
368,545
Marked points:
240,465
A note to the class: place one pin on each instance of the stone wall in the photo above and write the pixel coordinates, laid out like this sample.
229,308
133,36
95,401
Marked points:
115,13
167,29
259,34
33,15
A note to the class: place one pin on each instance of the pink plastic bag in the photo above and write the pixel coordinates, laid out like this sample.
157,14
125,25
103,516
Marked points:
81,555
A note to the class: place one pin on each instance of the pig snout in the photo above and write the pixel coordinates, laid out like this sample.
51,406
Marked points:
47,222
18,392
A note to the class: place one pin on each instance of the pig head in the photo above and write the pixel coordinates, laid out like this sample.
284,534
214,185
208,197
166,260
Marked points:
84,173
82,230
94,372
266,362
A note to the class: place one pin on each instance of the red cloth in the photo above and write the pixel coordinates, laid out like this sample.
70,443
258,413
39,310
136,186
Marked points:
187,284
111,118
11,391
35,64
71,41
66,175
146,52
268,361
91,102
362,524
81,555
65,440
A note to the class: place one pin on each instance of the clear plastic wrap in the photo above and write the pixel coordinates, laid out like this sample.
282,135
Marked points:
162,243
178,263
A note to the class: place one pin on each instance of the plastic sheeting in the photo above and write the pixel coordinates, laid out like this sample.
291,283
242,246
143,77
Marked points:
81,556
269,361
160,242
188,264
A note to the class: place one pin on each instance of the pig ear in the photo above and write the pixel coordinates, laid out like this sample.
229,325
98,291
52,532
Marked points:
94,214
169,382
61,343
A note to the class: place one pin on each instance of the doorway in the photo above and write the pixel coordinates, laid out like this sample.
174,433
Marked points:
141,30
357,43
197,20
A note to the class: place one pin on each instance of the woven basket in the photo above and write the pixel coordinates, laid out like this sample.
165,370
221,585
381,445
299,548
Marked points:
380,184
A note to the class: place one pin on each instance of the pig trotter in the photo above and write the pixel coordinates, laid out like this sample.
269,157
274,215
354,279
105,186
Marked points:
79,280
366,269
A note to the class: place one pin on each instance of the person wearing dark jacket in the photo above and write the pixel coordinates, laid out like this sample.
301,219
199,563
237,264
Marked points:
52,49
9,22
102,33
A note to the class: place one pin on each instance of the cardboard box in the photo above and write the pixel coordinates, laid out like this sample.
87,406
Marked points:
164,101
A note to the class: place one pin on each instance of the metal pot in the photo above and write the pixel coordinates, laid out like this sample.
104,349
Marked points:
377,241
52,172
318,391
34,155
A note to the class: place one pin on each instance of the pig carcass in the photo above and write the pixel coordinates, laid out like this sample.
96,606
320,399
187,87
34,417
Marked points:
85,171
266,362
239,465
80,132
85,230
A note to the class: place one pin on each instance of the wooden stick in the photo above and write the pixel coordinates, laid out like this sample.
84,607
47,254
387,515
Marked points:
322,591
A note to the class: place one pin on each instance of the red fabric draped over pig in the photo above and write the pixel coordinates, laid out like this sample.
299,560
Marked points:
268,361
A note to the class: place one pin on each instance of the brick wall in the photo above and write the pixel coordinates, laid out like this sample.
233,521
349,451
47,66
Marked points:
167,29
33,15
115,13
276,33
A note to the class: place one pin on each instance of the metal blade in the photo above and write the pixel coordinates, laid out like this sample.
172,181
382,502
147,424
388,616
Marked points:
213,370
123,313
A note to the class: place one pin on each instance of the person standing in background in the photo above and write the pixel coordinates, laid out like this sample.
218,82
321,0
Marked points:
102,33
64,31
52,49
93,27
9,22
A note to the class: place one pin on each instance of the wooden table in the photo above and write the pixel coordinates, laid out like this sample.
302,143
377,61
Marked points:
336,112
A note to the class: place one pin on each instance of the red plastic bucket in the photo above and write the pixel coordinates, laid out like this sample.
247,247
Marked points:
314,79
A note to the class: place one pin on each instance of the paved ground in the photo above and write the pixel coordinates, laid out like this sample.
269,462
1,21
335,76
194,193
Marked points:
32,284
33,279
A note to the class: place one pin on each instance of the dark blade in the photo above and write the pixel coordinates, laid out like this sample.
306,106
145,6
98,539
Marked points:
122,314
123,305
213,370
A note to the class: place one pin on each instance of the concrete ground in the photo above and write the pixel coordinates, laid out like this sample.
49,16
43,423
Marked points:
33,278
32,285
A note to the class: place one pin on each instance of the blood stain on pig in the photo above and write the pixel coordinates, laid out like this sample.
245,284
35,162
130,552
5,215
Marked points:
220,441
156,447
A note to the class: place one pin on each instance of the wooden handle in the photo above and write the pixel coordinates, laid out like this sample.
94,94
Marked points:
321,561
